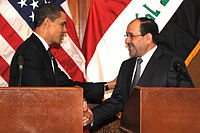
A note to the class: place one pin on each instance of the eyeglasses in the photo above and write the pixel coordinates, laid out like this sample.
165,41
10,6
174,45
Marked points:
130,35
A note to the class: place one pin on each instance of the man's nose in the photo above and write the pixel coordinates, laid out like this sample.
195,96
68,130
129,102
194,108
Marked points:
127,40
65,29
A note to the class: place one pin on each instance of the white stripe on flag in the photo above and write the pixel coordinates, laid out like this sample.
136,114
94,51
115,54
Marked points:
3,83
74,53
15,20
167,13
66,8
6,51
111,51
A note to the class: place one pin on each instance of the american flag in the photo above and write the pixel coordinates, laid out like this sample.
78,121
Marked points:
16,25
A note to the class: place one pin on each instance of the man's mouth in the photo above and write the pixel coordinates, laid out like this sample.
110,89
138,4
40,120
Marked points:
62,37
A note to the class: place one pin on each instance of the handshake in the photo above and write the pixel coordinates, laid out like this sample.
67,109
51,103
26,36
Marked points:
87,114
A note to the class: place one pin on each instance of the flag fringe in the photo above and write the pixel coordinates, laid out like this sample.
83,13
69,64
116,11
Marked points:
192,54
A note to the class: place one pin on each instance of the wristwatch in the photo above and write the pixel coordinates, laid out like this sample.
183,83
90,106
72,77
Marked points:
106,88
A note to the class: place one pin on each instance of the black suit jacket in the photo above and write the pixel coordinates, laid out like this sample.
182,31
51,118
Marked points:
38,71
159,72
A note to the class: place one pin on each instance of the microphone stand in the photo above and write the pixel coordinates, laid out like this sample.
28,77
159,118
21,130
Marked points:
178,79
180,72
20,61
20,75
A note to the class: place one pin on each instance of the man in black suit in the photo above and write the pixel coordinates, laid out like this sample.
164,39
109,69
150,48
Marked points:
158,68
40,67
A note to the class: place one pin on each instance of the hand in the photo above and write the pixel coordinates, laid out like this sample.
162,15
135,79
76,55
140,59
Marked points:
111,84
87,116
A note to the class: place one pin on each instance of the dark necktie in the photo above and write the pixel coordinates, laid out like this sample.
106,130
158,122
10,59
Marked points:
137,74
50,54
51,58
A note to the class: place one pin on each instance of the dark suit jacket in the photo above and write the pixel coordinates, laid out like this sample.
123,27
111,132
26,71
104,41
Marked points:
159,72
38,71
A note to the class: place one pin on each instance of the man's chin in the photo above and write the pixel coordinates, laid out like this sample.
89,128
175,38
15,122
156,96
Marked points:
57,44
132,55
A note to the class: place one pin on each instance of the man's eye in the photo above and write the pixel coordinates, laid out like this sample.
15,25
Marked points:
131,35
63,24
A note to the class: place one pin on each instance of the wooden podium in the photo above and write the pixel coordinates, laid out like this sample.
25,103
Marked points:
162,110
41,110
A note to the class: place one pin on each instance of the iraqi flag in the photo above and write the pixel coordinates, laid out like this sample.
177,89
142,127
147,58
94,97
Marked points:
104,42
16,25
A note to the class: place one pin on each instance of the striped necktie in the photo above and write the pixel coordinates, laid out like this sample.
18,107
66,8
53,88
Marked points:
137,74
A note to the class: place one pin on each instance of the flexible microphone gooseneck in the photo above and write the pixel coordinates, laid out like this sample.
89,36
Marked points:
180,71
20,62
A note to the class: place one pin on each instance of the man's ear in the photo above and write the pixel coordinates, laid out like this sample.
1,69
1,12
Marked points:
148,37
47,22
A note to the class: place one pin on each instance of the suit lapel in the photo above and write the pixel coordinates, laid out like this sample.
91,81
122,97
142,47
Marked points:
44,55
130,73
150,68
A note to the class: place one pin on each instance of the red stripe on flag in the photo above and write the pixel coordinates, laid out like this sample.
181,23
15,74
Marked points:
67,63
9,34
5,70
72,32
102,15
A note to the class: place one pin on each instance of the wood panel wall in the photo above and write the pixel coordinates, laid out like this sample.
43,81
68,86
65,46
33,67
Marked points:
79,10
194,70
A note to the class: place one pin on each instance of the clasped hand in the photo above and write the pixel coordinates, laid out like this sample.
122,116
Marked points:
87,116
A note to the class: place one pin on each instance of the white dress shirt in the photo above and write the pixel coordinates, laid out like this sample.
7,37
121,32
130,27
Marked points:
145,59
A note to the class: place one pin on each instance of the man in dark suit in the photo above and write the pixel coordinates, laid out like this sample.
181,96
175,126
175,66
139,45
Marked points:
157,68
40,67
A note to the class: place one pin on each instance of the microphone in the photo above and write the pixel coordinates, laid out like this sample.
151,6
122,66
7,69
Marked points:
181,71
20,62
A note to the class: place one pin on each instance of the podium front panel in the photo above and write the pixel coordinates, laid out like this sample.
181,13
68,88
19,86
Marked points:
41,110
166,110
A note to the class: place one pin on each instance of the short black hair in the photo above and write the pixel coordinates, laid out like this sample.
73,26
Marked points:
50,10
149,26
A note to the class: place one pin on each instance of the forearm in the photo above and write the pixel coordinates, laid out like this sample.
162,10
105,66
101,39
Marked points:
92,91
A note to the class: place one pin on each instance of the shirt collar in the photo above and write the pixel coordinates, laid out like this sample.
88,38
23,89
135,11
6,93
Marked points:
148,55
46,46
